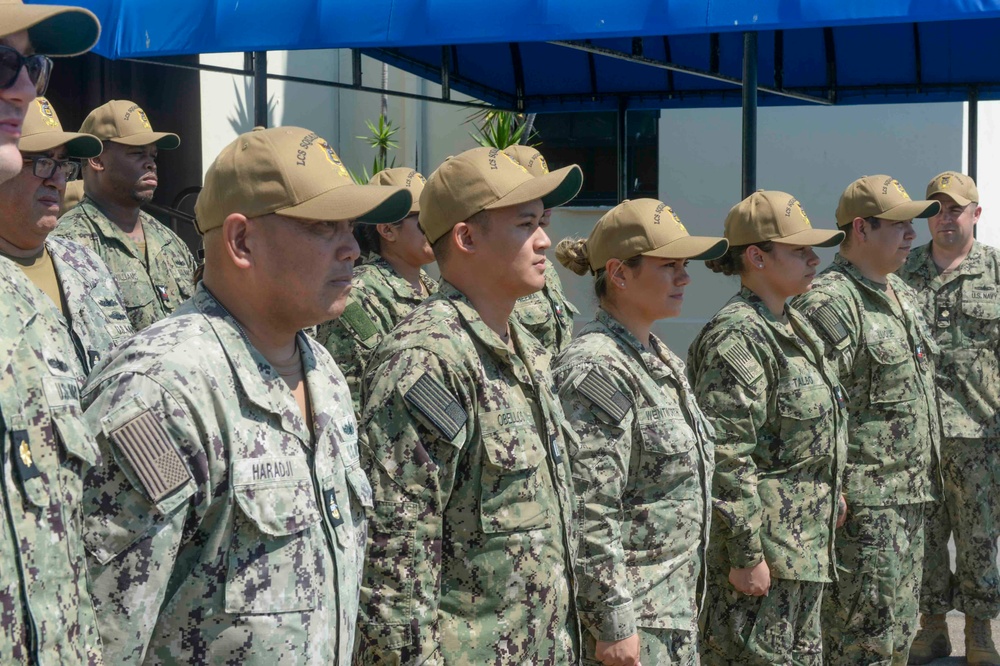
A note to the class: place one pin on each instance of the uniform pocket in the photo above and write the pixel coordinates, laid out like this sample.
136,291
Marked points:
533,310
512,487
669,456
892,372
802,412
390,578
275,556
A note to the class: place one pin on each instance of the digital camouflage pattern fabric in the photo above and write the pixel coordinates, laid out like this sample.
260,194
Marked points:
152,286
46,615
780,417
221,530
781,627
471,554
379,298
97,318
548,314
641,457
884,354
962,308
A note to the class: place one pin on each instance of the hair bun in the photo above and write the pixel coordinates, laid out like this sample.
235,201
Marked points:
572,253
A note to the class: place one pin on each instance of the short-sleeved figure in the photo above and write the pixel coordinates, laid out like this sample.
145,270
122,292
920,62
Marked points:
641,450
72,276
872,329
547,313
387,285
957,282
471,545
153,267
780,419
228,525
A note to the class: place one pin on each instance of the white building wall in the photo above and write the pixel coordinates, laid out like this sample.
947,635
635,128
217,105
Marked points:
811,152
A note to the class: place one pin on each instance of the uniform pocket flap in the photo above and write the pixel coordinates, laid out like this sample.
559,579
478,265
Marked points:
891,351
360,487
514,450
664,430
803,404
279,510
76,436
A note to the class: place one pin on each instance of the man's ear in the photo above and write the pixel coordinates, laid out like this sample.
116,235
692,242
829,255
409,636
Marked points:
464,238
235,232
386,231
96,163
858,224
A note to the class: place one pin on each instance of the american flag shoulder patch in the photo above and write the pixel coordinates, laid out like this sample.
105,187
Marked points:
437,405
829,325
741,362
153,457
600,391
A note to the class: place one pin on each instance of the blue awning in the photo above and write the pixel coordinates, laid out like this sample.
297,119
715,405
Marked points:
561,55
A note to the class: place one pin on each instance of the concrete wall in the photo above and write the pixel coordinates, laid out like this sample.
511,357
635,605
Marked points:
811,152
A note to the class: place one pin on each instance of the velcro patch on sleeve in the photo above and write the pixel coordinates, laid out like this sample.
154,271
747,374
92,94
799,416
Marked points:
153,457
741,362
358,320
600,391
829,325
437,405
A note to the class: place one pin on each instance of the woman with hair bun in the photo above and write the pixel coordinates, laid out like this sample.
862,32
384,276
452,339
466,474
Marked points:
779,414
640,449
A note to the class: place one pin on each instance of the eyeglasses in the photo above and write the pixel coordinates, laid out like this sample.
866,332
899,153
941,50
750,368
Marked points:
45,167
11,61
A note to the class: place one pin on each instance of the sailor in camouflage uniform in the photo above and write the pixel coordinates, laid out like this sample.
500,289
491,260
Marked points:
389,284
642,451
471,552
547,314
780,417
228,525
873,331
957,281
71,275
46,614
153,267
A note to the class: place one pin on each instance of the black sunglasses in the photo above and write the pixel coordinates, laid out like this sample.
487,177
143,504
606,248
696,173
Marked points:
11,61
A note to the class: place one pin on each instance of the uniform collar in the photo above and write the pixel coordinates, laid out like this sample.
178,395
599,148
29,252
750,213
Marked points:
154,240
656,358
401,288
973,264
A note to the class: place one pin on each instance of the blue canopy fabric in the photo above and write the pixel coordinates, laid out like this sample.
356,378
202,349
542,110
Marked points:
563,55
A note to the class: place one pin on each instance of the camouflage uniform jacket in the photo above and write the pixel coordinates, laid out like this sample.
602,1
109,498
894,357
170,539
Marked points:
150,292
97,319
471,555
780,418
221,530
642,469
883,353
547,314
379,298
46,615
962,308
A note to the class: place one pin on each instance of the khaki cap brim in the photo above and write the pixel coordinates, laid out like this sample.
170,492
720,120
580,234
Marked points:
701,248
554,189
812,238
370,204
910,210
163,140
957,198
83,146
53,29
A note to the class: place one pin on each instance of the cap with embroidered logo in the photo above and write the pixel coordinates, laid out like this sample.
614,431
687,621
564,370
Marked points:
293,172
769,215
529,158
882,197
486,179
42,131
402,177
124,122
55,30
958,186
650,228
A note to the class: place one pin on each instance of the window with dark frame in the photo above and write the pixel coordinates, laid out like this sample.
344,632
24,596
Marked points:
590,140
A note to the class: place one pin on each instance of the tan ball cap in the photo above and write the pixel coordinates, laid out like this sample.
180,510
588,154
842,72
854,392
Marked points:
529,158
126,123
402,177
54,30
486,179
293,172
42,132
882,197
958,186
650,228
769,215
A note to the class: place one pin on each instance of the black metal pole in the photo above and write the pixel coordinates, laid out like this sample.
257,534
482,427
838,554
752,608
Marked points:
622,151
260,88
749,179
973,158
